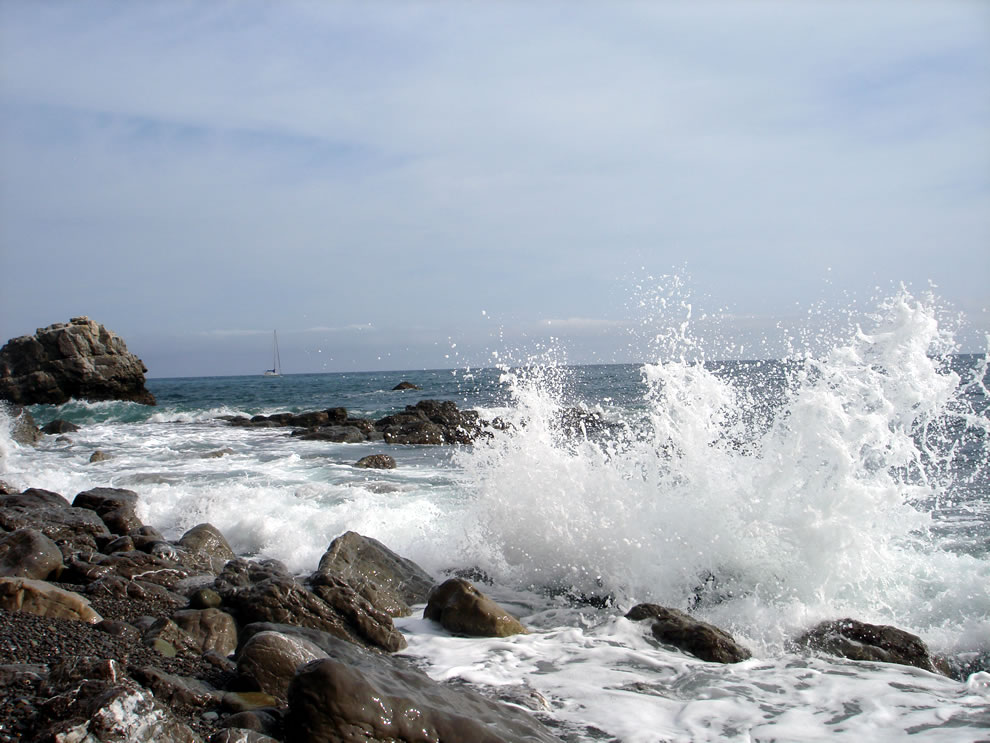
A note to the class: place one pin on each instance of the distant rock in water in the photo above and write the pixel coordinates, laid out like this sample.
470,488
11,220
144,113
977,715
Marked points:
79,359
405,386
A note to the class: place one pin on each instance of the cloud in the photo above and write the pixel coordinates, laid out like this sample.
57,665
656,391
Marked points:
252,164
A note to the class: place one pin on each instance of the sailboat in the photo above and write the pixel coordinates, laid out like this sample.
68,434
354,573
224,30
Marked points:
276,370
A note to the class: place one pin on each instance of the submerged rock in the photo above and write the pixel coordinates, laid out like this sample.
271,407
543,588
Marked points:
855,640
703,640
462,609
376,462
59,426
79,359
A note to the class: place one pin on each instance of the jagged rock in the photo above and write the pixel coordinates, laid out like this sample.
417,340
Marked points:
462,609
353,696
239,573
218,453
27,553
59,426
172,689
45,600
855,640
120,587
703,640
390,582
207,541
127,713
333,606
115,506
23,429
211,629
99,456
405,386
164,631
271,658
80,359
376,462
51,514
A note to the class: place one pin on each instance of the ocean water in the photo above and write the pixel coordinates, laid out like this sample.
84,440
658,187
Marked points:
762,496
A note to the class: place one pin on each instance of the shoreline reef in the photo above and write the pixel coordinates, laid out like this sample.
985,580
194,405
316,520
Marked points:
112,633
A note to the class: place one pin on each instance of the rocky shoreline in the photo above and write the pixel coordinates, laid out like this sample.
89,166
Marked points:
112,633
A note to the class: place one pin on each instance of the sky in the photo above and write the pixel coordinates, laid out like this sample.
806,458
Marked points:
407,185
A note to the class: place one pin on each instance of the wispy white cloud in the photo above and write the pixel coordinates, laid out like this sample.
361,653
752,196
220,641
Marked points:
409,164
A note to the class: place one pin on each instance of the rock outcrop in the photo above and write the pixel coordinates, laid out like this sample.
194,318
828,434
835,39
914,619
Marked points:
79,359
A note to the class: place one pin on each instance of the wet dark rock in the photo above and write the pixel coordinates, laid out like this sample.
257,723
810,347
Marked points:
206,540
265,721
173,689
462,609
116,506
271,659
211,629
99,456
240,573
333,434
405,386
128,713
703,640
353,696
205,598
51,514
27,553
80,359
23,429
389,582
59,426
241,735
333,606
164,631
376,462
855,640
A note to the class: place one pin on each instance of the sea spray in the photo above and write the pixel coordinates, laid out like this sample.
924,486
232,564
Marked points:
765,509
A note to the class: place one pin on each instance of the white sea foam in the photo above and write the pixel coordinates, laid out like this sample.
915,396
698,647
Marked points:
762,528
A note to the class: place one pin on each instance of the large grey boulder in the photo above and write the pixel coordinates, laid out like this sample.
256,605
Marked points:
390,582
701,639
79,359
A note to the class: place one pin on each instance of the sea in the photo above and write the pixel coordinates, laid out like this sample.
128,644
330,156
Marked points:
763,496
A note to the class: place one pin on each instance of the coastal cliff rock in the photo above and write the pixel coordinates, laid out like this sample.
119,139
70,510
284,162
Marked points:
79,359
